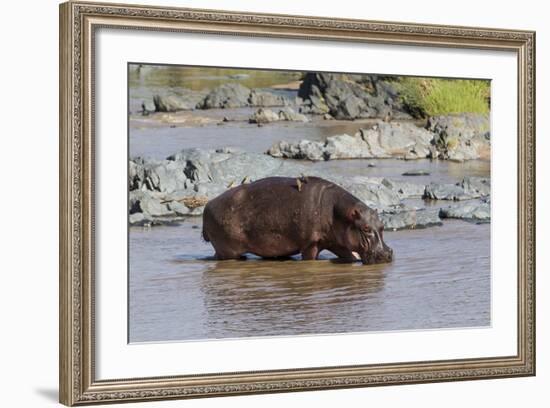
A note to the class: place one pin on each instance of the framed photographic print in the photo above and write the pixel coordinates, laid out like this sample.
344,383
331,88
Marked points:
260,203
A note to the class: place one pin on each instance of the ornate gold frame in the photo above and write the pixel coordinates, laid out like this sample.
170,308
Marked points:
78,22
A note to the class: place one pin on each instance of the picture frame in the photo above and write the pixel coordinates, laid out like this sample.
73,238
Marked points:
79,23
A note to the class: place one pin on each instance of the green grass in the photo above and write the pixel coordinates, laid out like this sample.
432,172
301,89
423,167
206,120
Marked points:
431,96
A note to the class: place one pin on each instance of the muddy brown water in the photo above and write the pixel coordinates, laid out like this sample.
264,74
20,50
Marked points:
440,277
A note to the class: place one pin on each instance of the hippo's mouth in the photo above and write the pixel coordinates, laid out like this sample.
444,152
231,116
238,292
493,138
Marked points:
369,255
371,258
367,258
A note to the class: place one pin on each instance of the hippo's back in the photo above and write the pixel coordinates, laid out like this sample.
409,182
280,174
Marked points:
267,210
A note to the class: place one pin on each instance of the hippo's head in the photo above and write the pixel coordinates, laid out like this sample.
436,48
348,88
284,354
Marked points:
365,235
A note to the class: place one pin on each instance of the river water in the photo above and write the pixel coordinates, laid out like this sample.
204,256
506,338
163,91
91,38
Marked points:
440,277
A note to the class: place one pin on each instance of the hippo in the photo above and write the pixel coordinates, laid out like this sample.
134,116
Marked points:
278,217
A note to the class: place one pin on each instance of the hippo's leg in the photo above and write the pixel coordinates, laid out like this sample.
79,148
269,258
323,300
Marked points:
343,253
310,252
228,255
229,252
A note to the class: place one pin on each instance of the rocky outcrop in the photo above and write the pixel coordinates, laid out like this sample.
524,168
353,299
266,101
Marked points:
186,100
263,98
165,191
304,149
230,95
461,137
469,188
347,96
383,140
264,116
226,96
410,218
287,114
403,140
233,95
405,189
476,211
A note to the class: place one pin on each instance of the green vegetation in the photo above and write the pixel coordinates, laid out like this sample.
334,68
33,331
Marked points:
431,96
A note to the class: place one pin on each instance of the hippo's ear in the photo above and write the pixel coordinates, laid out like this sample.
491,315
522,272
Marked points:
353,214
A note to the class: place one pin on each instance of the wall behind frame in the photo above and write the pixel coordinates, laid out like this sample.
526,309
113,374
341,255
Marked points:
29,169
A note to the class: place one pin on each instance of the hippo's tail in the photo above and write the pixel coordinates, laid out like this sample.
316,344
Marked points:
205,235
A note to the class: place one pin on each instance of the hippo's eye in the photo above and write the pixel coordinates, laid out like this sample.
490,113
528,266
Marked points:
368,230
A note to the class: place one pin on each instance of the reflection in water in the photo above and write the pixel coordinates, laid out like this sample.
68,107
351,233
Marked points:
199,78
286,295
440,279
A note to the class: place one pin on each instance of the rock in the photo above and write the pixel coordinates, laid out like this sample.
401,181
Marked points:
327,116
156,175
350,107
172,177
410,219
461,137
229,150
404,189
416,173
346,147
230,95
264,98
136,218
147,107
165,191
208,191
234,95
189,205
403,140
477,211
304,149
315,106
170,103
264,116
267,116
469,188
178,208
196,163
373,194
477,186
185,100
149,204
136,174
236,167
289,115
455,192
347,96
226,165
384,140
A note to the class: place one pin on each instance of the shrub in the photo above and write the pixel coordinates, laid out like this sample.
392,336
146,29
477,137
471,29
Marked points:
433,96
